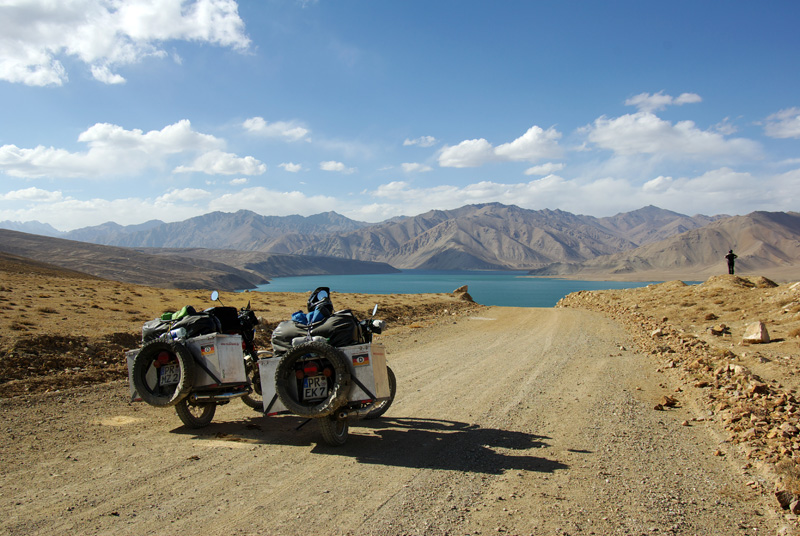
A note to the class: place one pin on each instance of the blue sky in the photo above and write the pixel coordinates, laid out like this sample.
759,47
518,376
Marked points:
131,110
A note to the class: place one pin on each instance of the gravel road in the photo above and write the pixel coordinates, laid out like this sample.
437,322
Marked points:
517,421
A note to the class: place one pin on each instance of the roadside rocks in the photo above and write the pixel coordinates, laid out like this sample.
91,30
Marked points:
760,415
756,333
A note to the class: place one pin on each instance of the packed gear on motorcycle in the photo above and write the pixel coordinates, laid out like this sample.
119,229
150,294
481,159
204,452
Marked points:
339,328
195,324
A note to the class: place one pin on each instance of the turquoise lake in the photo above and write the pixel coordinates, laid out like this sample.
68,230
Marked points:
510,289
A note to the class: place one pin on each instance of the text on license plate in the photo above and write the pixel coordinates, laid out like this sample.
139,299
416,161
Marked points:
315,387
169,374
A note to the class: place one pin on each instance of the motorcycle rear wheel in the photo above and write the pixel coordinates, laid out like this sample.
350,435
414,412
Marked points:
337,393
334,431
195,415
144,364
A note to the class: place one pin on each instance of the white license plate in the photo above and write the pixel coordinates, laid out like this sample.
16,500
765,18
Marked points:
315,387
169,374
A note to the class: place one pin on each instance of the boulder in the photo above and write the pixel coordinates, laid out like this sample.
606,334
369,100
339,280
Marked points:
463,294
756,333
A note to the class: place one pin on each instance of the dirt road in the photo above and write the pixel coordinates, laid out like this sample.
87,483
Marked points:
518,421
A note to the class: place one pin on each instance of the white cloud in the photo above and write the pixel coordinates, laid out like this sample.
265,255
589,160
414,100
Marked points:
544,169
423,141
646,102
35,35
183,195
289,130
32,194
784,124
414,167
534,145
239,182
645,133
113,151
332,165
222,163
468,153
291,167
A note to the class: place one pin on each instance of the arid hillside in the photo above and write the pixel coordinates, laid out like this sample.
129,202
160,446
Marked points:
60,328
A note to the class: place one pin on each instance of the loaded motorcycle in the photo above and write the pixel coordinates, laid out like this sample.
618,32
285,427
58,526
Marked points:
327,368
324,365
197,361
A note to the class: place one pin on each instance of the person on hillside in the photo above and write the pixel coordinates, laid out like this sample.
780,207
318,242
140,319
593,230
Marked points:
730,256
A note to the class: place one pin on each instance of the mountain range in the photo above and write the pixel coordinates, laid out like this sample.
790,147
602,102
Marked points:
647,242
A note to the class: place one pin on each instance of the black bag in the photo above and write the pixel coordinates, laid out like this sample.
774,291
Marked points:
339,329
228,318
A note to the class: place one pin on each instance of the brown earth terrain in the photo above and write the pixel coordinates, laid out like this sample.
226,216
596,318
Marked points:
629,412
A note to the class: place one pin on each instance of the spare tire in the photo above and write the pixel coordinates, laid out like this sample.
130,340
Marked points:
149,368
286,380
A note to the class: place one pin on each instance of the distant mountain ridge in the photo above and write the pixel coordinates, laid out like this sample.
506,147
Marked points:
489,236
473,237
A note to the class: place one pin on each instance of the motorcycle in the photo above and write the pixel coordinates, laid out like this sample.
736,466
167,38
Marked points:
331,373
197,361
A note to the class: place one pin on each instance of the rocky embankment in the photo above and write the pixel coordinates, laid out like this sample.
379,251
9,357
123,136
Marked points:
733,342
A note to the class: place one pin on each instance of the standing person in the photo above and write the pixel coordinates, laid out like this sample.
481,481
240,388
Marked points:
730,256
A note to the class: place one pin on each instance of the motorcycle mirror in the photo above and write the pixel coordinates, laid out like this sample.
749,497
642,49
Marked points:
214,296
375,309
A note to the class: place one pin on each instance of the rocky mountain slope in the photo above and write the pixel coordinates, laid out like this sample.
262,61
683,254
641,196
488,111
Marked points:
766,243
176,269
242,230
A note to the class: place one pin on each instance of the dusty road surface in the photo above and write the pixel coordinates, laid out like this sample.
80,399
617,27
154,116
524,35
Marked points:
517,421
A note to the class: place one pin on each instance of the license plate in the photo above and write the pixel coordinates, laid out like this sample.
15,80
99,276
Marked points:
169,374
315,387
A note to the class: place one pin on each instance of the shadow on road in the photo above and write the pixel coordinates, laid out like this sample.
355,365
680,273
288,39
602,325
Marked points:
445,445
403,442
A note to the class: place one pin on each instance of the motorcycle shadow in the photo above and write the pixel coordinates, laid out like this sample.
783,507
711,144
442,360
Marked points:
288,430
446,445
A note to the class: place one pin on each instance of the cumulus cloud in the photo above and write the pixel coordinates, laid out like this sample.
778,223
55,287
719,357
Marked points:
332,165
646,102
114,151
784,124
182,195
414,167
288,130
291,167
534,145
645,133
36,35
422,141
221,163
32,194
544,169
